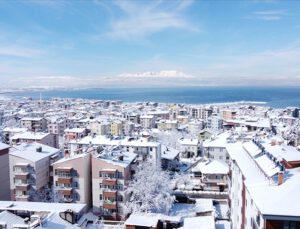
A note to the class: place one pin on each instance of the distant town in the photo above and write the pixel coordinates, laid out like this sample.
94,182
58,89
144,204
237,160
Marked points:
79,163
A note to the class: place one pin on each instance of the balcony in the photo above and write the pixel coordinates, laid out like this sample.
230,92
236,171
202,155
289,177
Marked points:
64,180
110,205
65,191
109,182
22,187
109,194
22,176
22,197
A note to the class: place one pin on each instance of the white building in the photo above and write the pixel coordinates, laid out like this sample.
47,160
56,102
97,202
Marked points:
29,169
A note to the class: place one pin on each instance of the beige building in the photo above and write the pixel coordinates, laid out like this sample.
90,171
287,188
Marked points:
29,169
72,178
116,128
167,124
111,173
100,127
4,171
34,124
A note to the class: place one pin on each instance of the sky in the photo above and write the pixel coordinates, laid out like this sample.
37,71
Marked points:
149,43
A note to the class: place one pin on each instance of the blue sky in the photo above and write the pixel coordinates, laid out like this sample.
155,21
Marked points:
149,43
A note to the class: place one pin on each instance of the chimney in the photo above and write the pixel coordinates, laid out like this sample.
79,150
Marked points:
280,177
39,149
66,154
273,142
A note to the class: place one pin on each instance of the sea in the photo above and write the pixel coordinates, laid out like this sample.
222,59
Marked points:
277,97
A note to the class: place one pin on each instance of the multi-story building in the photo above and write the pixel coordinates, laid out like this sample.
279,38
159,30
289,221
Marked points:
34,124
72,178
100,127
264,185
57,126
75,133
29,169
143,147
214,122
111,173
201,112
167,124
188,147
4,171
8,132
147,121
116,128
30,137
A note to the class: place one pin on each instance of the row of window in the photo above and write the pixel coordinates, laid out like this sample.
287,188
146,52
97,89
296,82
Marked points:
116,175
112,187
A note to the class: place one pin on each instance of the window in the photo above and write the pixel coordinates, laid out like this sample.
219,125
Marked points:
101,197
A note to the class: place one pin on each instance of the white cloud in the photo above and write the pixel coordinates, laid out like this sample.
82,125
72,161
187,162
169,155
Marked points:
19,51
167,74
268,15
140,19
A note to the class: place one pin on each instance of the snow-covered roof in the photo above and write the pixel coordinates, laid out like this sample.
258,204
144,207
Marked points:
31,119
211,167
146,220
75,130
103,140
188,141
40,206
219,141
283,151
29,151
207,222
190,210
113,157
14,129
10,219
252,148
30,135
169,153
3,146
279,197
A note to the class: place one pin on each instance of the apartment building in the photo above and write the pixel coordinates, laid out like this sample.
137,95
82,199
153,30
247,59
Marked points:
200,112
264,185
8,132
29,169
57,125
75,133
111,173
39,137
4,171
72,178
214,122
116,128
100,127
147,121
215,147
143,147
167,124
34,124
188,147
212,174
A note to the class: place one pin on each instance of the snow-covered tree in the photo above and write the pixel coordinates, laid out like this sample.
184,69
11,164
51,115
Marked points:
46,194
150,190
